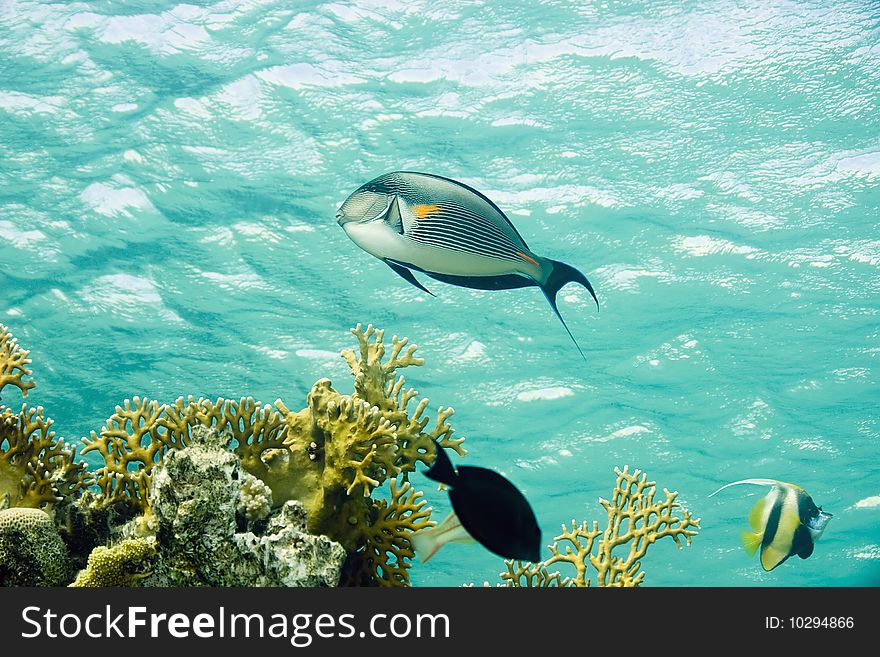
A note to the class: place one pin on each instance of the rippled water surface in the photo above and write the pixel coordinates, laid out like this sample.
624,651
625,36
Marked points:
169,176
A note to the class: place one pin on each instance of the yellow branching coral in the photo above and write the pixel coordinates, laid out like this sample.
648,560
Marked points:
374,379
137,436
131,443
388,552
256,428
36,468
363,448
14,363
378,384
342,447
533,575
635,522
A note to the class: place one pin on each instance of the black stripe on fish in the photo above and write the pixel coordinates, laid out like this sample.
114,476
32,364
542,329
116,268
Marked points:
807,509
393,184
772,525
463,238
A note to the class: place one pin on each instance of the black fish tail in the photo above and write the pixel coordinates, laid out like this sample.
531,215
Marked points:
561,275
442,469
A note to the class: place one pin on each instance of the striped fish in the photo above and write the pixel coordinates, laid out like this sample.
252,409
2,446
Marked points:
785,522
450,232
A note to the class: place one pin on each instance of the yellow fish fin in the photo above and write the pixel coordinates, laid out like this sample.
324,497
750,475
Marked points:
756,515
772,557
751,542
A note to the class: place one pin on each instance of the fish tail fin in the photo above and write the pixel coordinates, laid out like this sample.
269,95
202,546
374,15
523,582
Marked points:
560,275
751,542
756,482
442,469
425,543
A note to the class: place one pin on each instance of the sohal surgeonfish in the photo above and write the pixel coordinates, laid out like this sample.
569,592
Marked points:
486,508
450,232
785,522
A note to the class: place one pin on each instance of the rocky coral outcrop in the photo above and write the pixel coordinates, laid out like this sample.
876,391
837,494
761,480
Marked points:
209,519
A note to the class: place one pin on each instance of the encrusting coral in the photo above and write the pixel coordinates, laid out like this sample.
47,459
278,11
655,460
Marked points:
31,550
635,522
123,564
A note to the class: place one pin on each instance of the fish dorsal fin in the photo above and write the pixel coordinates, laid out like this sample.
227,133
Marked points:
393,217
756,515
442,470
756,482
751,542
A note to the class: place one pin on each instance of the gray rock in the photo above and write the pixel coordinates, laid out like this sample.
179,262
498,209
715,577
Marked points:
210,521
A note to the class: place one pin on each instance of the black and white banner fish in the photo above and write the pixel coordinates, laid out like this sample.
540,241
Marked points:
486,508
785,522
450,232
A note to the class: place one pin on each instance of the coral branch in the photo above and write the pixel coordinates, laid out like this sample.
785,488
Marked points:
388,552
14,363
131,443
634,520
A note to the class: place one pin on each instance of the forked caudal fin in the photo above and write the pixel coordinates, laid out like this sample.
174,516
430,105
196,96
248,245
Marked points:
756,482
561,275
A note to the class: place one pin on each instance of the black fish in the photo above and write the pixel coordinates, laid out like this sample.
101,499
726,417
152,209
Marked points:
487,508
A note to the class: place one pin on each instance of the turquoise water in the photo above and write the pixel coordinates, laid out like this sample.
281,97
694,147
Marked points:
169,176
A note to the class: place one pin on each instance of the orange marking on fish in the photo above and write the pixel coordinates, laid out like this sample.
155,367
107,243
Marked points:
422,211
528,259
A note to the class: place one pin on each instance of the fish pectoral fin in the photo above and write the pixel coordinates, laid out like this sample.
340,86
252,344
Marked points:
393,217
406,274
756,515
806,550
751,542
803,542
